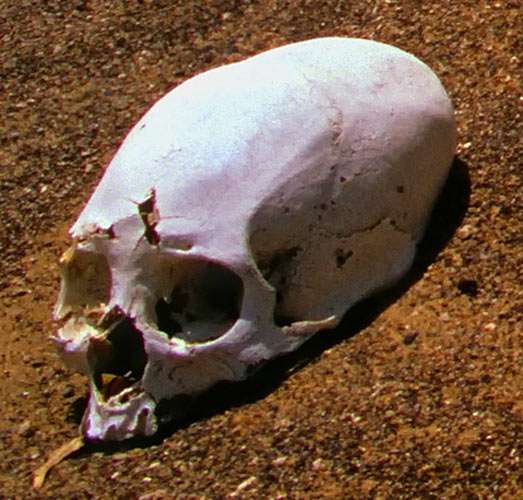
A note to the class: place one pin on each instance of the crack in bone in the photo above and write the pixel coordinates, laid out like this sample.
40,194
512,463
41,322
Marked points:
337,126
150,216
368,228
94,230
337,122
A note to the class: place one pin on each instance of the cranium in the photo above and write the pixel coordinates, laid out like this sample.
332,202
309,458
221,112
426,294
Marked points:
249,208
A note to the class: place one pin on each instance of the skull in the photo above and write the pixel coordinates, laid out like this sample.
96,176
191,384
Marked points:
247,210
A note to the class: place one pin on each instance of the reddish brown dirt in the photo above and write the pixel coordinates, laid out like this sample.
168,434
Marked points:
418,394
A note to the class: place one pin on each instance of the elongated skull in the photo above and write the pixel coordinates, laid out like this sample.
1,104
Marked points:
247,210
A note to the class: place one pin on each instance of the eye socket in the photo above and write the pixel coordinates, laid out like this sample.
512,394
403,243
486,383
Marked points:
204,303
86,282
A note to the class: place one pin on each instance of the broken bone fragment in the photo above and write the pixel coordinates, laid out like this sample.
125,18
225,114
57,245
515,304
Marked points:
247,210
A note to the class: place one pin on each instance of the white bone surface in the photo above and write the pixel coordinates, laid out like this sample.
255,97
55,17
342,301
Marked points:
249,208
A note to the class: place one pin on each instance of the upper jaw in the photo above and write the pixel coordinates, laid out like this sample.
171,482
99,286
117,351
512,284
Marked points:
124,415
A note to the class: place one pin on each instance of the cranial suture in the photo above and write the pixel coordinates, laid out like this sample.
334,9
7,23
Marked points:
249,208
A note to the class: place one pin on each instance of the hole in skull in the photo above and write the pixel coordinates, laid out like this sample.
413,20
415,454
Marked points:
86,282
119,360
342,256
278,269
204,304
150,217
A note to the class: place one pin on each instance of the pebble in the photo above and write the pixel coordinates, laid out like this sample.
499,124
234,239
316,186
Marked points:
68,392
155,495
26,429
243,486
318,464
465,232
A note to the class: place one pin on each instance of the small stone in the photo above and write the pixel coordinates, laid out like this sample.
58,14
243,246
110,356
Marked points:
155,495
410,338
465,231
68,392
468,287
318,464
444,316
26,429
243,486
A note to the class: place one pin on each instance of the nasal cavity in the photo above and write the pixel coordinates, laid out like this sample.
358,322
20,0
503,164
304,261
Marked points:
204,303
119,359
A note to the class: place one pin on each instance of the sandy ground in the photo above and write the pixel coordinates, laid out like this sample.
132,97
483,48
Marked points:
417,395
